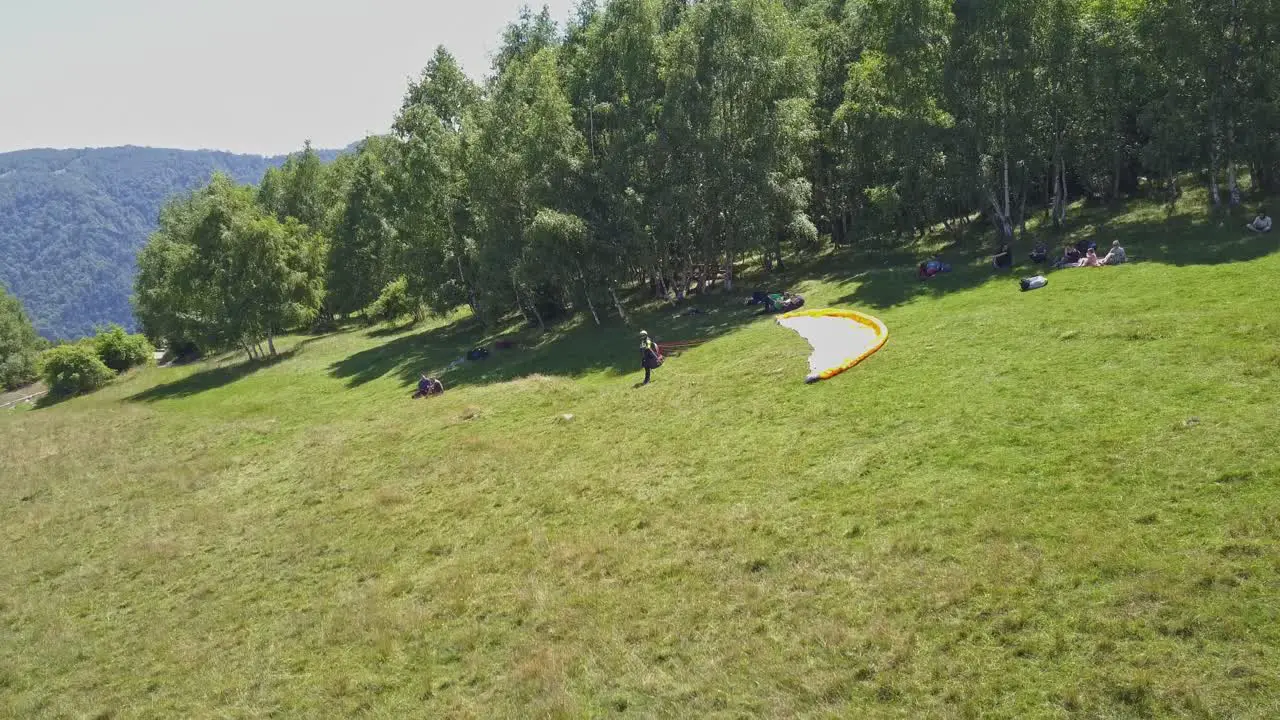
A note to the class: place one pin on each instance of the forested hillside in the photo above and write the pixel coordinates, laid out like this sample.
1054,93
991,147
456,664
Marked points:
72,221
663,143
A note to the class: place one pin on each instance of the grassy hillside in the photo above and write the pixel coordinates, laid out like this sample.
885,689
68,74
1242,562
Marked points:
1052,504
72,221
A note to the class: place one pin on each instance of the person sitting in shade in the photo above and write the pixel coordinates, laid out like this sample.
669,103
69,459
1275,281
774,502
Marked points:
1091,259
1003,260
1261,223
1116,255
428,386
1070,257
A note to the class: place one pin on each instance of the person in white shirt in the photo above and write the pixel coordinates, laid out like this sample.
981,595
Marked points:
1261,223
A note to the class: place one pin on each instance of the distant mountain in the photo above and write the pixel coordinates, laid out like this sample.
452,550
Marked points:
72,221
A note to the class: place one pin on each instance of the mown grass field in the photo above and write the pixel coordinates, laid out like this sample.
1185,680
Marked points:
1062,503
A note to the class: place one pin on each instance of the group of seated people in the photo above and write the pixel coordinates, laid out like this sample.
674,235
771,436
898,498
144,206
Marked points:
1073,257
774,302
1261,222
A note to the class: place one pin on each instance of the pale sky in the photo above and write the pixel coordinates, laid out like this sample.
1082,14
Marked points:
253,76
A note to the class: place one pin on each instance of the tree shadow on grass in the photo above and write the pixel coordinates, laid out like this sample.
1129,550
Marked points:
574,348
212,378
1147,231
385,330
886,278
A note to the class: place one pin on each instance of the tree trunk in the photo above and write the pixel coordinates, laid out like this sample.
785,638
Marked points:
1214,197
728,270
1115,161
1007,208
472,302
1233,188
1066,199
1022,206
1055,206
542,327
271,344
532,305
618,306
590,306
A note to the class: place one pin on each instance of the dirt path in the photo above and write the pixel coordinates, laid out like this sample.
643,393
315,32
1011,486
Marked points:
30,392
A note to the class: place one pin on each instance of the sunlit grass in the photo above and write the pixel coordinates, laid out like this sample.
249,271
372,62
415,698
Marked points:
1048,504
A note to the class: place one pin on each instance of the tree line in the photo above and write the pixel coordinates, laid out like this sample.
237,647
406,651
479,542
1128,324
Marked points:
66,368
663,143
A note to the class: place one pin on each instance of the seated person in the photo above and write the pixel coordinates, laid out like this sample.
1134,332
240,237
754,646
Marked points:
1261,223
1116,255
1070,257
428,386
932,267
1003,259
792,302
1090,260
1040,253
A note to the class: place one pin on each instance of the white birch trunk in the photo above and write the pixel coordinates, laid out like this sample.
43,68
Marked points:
618,305
1213,164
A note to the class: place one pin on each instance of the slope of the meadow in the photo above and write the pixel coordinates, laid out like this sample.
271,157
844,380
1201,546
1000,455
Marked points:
1047,504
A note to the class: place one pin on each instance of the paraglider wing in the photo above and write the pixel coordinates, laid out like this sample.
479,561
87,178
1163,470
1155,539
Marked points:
840,338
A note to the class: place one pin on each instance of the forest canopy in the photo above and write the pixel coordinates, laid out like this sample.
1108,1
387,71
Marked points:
661,143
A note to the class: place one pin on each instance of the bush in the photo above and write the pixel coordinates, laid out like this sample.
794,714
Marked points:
73,369
17,368
19,344
120,351
393,303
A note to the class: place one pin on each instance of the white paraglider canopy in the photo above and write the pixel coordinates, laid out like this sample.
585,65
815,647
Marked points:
840,338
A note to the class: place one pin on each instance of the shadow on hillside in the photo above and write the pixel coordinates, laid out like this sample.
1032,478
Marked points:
1154,236
383,330
890,277
574,348
211,379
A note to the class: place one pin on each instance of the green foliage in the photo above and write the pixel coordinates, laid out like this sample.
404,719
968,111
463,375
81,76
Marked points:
19,344
120,351
392,304
73,221
73,369
364,246
220,272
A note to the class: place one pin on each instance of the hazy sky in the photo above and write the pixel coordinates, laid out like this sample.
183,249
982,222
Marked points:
254,76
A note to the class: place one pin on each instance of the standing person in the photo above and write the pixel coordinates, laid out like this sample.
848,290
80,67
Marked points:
650,355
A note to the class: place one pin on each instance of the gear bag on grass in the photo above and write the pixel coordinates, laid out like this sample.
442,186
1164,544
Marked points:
1032,283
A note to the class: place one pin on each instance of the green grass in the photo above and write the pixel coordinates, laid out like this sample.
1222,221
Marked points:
1061,503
